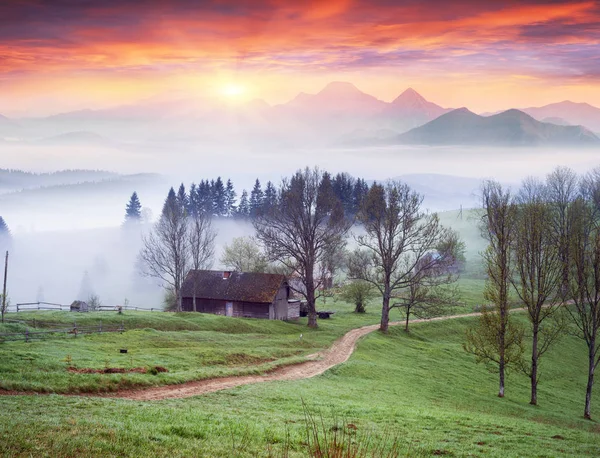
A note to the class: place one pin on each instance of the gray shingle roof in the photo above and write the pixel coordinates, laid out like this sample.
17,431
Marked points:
239,287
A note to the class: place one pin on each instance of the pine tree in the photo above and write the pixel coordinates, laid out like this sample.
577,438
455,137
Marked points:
230,196
219,198
243,210
256,199
361,188
193,200
270,197
4,231
133,210
182,198
170,202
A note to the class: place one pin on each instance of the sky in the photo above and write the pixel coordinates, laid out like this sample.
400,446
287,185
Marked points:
60,55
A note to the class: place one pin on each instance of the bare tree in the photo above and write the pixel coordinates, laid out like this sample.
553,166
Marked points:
584,274
165,250
562,190
538,271
244,254
496,339
306,223
201,243
400,248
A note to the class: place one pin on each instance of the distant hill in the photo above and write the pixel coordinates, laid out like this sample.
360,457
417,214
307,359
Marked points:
582,114
410,109
16,180
509,128
77,138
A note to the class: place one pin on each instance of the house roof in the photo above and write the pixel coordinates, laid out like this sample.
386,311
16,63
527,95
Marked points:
239,287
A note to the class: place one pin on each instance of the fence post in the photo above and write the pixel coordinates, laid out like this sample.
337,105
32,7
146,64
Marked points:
27,335
75,327
34,323
100,326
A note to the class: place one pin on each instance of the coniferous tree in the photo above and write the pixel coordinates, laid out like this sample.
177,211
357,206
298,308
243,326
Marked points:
361,189
343,188
243,210
133,210
230,196
204,197
182,198
4,231
193,200
256,199
170,202
219,198
270,197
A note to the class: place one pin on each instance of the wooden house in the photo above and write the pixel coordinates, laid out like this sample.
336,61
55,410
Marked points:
239,294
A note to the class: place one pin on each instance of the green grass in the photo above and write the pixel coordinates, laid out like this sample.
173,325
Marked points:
420,386
191,346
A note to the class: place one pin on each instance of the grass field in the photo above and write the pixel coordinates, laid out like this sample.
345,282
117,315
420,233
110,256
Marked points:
420,388
190,346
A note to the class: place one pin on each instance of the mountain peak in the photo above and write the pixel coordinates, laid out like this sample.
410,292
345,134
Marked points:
340,88
409,96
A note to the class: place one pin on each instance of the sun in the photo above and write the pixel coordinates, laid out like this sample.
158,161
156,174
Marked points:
233,90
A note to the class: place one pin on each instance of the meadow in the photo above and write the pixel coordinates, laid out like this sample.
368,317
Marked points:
418,389
399,394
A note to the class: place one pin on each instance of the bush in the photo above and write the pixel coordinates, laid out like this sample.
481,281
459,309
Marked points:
170,301
358,293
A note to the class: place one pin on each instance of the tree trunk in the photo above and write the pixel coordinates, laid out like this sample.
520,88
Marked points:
501,367
534,366
310,302
590,384
195,307
178,298
407,317
385,314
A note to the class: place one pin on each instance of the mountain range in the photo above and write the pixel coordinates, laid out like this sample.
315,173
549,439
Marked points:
509,128
338,114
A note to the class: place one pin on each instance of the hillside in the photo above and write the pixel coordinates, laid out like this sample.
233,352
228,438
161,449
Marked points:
509,128
386,391
582,114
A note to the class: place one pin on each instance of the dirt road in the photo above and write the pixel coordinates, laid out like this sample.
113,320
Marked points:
338,353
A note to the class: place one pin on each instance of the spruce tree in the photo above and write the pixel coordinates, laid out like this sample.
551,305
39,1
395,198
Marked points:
219,198
243,210
193,200
133,210
230,196
170,202
270,197
182,198
256,199
4,231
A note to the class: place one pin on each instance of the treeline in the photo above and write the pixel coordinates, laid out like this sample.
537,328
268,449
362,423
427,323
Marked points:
219,198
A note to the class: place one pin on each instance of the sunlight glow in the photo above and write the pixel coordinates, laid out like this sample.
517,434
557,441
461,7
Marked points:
233,90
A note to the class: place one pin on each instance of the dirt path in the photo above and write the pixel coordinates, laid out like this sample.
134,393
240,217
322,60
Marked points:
338,353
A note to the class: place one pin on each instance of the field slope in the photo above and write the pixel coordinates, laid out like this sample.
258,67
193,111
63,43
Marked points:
420,388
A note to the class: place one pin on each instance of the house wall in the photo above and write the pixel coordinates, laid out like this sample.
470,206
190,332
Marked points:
213,306
293,310
217,307
280,304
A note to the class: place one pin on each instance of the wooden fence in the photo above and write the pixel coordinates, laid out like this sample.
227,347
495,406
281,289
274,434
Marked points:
32,306
37,330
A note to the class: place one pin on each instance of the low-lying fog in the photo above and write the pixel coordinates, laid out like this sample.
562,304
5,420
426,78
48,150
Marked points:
62,232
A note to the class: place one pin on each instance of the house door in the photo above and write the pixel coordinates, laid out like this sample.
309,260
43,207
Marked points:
229,309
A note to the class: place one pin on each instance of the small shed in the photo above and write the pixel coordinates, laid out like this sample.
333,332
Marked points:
239,294
79,306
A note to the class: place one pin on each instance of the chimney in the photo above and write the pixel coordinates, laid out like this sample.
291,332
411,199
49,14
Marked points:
226,275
